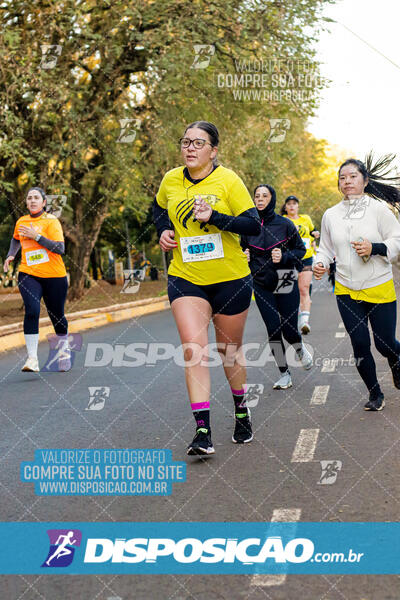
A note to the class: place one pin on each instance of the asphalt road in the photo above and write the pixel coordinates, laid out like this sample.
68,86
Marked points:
280,470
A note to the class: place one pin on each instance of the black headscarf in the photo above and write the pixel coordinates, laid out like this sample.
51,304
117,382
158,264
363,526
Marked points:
268,213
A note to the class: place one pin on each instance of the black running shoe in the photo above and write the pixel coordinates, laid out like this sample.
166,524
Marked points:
375,402
243,432
395,368
202,443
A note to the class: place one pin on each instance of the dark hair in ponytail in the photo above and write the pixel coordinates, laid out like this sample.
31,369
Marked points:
380,185
208,128
288,199
212,132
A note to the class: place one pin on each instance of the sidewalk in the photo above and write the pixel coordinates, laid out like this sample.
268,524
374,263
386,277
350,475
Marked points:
11,336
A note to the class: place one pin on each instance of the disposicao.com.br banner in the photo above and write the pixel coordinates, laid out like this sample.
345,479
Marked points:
209,548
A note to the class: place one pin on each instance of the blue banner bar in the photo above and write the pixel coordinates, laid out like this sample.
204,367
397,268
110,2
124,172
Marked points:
193,548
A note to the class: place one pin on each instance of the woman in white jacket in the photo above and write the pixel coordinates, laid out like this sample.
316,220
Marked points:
364,236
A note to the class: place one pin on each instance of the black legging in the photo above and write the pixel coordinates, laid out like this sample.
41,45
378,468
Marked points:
280,314
54,292
382,317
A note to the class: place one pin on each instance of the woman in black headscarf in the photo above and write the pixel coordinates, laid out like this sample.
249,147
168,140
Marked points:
275,258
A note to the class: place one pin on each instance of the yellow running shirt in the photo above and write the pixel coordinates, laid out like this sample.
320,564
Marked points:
378,294
226,193
304,227
35,259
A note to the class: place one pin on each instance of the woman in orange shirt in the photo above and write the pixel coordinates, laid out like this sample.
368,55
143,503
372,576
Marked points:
41,274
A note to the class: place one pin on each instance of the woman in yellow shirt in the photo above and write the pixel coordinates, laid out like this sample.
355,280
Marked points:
200,210
42,273
307,233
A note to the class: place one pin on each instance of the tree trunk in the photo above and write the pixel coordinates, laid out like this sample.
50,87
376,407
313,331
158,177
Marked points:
93,263
79,262
82,239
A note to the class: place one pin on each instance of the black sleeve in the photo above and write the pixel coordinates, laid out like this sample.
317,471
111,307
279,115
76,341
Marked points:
160,218
379,248
56,247
296,249
244,242
247,223
15,247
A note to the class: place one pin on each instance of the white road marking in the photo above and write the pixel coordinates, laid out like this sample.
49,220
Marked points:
305,445
286,515
341,324
280,515
329,367
320,394
340,334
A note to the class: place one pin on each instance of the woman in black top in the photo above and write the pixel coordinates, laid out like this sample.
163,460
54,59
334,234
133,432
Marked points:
275,258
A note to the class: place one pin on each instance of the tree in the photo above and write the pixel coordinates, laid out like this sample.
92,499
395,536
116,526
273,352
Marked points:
94,95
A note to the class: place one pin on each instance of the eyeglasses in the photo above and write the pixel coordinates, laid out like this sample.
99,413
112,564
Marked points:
198,143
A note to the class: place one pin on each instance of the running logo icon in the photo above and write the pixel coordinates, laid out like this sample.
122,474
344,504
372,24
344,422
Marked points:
330,471
62,547
98,396
184,209
127,134
50,54
131,282
278,130
357,209
211,199
287,279
55,204
204,52
58,351
253,393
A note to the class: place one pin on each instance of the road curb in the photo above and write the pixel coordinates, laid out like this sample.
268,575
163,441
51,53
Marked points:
11,338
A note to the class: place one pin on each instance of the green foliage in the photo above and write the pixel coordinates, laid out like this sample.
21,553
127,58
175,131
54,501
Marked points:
134,60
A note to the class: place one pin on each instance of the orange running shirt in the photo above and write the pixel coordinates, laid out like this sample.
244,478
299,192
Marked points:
37,260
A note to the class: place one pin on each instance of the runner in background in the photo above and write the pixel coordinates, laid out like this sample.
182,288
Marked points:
275,258
364,236
307,232
199,210
41,274
314,247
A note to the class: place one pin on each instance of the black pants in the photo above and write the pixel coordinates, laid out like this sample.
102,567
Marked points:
382,318
280,314
54,292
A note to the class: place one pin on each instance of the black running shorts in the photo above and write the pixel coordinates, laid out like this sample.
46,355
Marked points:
307,263
225,298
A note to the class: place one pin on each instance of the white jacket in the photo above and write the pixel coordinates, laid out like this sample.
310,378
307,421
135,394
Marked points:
349,221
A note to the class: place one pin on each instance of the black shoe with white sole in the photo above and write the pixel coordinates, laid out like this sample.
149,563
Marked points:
202,444
375,402
243,431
